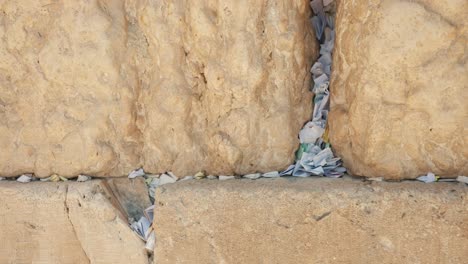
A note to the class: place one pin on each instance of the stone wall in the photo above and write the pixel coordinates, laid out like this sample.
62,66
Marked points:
399,88
103,87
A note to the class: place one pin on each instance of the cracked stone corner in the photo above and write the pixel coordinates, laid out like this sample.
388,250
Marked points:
100,229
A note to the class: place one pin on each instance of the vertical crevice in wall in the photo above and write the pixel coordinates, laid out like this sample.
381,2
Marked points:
315,156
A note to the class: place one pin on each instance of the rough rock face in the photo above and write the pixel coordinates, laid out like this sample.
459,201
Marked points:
102,87
399,87
313,220
66,101
226,83
65,223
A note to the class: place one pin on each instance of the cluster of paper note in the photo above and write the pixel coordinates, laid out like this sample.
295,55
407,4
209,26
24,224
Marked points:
144,228
315,157
153,180
29,177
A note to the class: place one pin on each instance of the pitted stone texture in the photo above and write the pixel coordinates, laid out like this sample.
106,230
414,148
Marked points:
103,87
225,87
66,101
313,220
64,223
399,88
34,225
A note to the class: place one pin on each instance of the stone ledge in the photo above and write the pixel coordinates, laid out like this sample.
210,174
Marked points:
313,220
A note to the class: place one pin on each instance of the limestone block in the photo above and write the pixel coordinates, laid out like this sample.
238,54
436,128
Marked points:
35,227
66,103
104,235
399,88
64,223
103,87
312,220
225,84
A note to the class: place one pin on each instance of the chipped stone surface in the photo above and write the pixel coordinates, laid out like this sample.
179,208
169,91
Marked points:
103,87
66,222
399,88
311,220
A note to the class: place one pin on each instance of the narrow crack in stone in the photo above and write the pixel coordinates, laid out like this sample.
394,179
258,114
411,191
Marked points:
67,208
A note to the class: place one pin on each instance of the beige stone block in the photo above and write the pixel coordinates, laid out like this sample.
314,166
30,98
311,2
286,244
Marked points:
64,223
66,101
35,226
225,84
104,87
399,88
312,220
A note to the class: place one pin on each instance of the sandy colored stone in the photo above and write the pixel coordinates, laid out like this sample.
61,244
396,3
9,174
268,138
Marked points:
312,220
64,223
104,87
104,236
66,101
225,87
34,225
399,88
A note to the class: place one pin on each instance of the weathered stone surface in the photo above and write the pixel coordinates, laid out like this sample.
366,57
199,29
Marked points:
399,87
226,84
66,101
64,223
103,87
34,225
314,220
